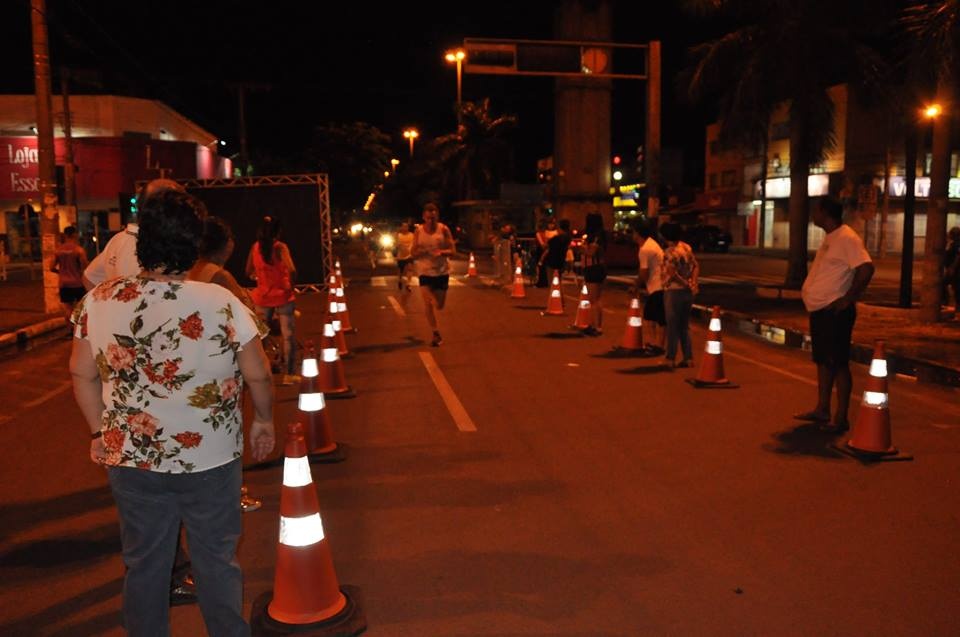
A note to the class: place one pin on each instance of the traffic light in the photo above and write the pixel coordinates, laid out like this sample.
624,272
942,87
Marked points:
128,206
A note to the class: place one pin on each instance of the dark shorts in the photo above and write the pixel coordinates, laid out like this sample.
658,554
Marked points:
653,308
403,263
595,273
441,282
830,333
71,295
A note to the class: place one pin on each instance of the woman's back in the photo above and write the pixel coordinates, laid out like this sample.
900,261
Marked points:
274,284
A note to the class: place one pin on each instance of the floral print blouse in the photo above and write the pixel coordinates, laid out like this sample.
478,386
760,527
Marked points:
679,269
167,355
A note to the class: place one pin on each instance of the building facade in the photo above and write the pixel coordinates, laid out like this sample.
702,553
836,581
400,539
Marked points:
116,141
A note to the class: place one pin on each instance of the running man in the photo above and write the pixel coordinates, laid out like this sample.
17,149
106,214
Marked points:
432,244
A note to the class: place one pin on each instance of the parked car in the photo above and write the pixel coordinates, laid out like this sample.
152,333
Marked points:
705,238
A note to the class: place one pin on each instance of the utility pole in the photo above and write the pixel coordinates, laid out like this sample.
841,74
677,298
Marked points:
69,169
653,128
45,154
909,205
241,88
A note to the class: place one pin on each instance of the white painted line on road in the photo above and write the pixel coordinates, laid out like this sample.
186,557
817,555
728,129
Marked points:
378,281
396,306
772,368
67,384
454,406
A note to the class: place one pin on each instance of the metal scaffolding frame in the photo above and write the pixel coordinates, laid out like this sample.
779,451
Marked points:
322,182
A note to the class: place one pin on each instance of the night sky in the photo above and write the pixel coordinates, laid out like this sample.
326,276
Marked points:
328,62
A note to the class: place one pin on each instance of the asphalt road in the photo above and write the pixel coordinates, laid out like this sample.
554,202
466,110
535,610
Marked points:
596,496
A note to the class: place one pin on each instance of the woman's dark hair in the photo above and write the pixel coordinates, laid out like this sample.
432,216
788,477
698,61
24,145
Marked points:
670,231
832,207
595,228
171,226
268,233
216,235
642,228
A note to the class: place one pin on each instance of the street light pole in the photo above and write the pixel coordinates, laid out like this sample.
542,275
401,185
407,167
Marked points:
411,134
457,57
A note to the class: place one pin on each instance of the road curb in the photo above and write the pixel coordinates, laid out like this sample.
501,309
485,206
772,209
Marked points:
24,334
922,370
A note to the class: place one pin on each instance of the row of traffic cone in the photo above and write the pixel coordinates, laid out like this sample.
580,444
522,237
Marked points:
307,597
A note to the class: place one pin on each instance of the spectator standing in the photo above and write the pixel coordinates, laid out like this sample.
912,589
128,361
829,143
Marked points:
679,276
650,257
554,257
269,263
69,262
840,273
594,270
158,363
404,257
951,269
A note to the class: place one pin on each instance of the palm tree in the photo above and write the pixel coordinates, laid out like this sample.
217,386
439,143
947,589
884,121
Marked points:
934,32
783,51
478,156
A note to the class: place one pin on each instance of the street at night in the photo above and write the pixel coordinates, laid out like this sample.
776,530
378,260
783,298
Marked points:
596,496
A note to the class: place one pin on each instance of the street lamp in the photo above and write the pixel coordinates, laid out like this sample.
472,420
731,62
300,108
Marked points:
393,164
411,134
457,56
932,111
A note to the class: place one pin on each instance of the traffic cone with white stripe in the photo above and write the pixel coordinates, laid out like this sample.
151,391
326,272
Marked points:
306,596
321,447
711,374
331,379
344,313
518,290
871,433
633,335
555,301
582,319
338,273
472,267
333,315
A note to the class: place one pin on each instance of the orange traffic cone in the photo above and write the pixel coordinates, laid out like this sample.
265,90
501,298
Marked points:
472,267
338,273
321,447
555,301
333,315
331,380
633,336
711,370
871,433
582,319
518,291
306,596
344,313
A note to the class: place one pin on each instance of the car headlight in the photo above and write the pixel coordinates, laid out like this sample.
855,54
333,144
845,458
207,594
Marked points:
386,240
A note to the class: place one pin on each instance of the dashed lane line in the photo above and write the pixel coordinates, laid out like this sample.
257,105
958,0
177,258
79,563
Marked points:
396,306
454,406
59,389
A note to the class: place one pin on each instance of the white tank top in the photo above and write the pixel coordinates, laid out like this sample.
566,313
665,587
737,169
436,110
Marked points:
428,265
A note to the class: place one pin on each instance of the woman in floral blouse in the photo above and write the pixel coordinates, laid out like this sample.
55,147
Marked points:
158,364
679,274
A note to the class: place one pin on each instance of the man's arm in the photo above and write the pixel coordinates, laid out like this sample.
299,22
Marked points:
255,369
861,278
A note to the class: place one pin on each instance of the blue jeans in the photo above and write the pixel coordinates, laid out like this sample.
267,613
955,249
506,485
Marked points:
677,305
151,507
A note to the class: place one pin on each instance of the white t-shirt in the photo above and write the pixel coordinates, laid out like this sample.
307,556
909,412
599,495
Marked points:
404,244
427,264
831,274
119,257
651,258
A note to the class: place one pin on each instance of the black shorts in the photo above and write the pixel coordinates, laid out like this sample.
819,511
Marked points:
441,282
653,308
830,334
403,263
71,295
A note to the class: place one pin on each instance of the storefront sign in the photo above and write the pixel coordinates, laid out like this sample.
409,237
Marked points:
921,187
779,187
19,168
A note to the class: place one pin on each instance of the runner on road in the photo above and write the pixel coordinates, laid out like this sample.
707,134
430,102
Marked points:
432,244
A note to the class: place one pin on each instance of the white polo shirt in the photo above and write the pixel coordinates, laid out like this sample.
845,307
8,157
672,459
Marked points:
651,258
831,274
119,257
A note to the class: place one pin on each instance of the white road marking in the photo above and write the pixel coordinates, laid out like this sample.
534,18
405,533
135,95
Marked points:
396,306
454,406
378,281
65,385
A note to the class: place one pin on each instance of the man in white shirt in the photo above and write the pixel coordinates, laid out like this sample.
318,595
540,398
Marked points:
119,256
650,257
840,273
